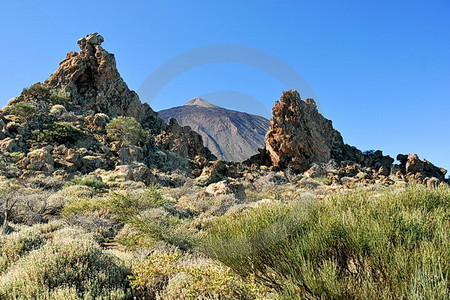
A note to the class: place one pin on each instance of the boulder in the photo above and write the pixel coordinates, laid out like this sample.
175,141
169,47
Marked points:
224,187
39,160
90,163
138,172
9,145
214,173
98,121
130,154
316,171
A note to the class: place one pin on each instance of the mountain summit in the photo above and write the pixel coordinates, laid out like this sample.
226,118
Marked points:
200,102
230,135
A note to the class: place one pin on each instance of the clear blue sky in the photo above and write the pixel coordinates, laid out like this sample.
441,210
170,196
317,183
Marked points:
379,69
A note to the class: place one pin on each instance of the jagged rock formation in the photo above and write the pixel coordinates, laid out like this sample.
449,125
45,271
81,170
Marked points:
93,82
59,126
299,135
230,135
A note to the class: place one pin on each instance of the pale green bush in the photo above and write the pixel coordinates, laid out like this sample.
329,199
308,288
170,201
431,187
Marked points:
121,205
23,110
18,244
70,264
57,110
127,130
59,96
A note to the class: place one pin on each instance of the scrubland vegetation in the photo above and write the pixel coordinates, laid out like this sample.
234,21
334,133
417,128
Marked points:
93,239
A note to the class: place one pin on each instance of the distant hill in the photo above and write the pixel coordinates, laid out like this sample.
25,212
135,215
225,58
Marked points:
230,135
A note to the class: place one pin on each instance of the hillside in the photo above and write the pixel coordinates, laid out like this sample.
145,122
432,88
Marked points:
84,117
230,135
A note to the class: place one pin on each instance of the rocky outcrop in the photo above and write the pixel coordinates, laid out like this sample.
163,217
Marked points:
217,171
91,80
299,135
8,145
230,135
300,139
184,141
412,168
224,187
39,160
61,125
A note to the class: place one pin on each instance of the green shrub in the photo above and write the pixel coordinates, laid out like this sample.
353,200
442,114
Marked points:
36,90
157,225
393,245
59,132
22,110
170,274
71,264
127,130
142,212
59,96
89,181
123,206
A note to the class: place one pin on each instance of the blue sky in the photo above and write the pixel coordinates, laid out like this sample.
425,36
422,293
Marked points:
379,69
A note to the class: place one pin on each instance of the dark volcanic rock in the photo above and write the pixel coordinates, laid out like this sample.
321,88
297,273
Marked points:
230,135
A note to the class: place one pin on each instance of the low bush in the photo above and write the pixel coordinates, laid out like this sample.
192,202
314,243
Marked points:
71,265
170,274
22,110
32,207
36,90
60,133
158,225
15,245
59,96
127,131
391,245
122,206
57,110
18,244
89,181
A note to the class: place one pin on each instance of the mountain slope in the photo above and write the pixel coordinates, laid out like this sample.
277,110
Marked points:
230,135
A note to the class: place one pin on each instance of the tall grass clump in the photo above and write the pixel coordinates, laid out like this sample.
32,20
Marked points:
359,245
